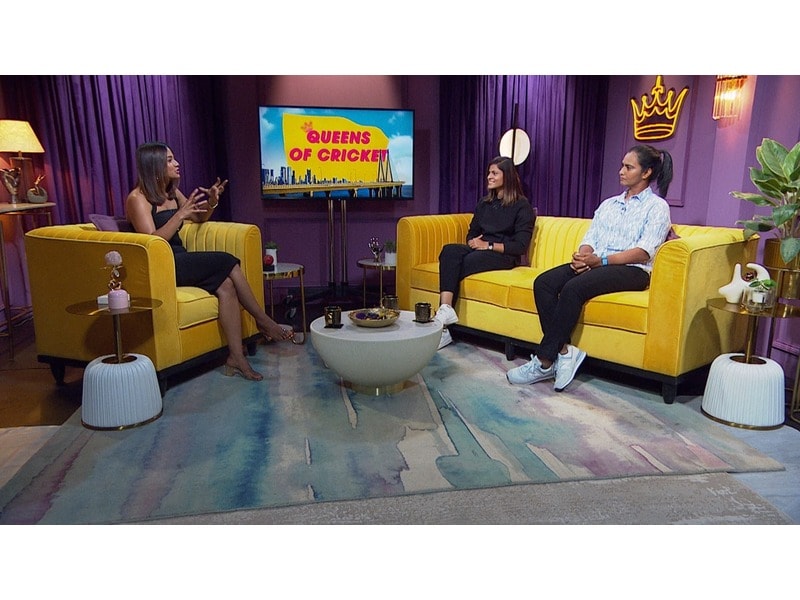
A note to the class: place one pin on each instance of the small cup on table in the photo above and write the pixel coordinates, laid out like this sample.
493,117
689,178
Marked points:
422,312
390,302
333,316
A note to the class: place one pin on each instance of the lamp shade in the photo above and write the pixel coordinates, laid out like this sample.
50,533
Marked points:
18,136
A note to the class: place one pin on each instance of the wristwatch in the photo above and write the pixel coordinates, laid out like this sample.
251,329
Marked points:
491,246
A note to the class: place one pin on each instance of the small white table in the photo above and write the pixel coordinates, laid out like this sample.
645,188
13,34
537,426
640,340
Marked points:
376,361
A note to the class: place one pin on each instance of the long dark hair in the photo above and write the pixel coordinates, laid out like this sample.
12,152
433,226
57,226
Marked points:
512,186
660,161
151,165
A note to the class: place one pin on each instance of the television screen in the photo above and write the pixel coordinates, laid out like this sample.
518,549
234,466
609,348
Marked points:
311,152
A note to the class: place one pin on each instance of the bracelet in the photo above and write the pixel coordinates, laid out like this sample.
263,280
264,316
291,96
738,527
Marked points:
213,205
604,260
491,246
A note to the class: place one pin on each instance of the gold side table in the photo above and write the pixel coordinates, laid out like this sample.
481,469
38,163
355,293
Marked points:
120,390
371,263
19,210
288,271
745,390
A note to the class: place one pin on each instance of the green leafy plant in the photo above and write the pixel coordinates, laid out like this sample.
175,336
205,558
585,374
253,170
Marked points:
763,285
271,245
389,246
778,179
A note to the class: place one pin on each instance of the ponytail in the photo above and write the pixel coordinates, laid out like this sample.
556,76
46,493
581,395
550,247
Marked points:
660,161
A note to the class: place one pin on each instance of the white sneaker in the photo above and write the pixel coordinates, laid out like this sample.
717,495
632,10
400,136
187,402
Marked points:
530,372
446,340
446,315
567,365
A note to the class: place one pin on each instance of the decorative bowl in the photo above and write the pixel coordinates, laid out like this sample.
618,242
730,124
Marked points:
374,317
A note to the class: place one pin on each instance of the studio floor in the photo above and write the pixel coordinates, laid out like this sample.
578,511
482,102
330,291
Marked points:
31,399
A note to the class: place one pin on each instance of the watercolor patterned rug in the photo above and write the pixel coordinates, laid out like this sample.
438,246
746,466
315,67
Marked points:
301,436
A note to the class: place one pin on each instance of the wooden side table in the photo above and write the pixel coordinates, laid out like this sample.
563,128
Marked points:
120,390
370,263
18,210
288,271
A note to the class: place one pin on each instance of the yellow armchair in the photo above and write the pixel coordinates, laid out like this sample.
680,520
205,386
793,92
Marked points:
66,266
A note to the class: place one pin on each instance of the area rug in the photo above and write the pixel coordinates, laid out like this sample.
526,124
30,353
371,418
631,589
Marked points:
302,436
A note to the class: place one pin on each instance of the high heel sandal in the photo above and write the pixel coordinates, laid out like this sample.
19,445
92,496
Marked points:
232,370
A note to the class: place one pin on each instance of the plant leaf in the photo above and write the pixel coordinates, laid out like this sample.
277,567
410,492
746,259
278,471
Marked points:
756,199
790,248
770,155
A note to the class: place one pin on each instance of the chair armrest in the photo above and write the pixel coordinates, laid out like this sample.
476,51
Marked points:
66,265
420,239
683,333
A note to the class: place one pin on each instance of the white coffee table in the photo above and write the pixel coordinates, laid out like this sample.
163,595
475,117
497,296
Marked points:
376,361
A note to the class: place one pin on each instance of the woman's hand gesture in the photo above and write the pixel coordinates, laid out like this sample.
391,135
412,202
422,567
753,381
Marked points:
214,192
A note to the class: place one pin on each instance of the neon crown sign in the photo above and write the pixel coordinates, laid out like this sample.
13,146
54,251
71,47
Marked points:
657,117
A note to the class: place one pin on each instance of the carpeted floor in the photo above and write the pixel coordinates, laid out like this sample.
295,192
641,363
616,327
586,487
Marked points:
301,439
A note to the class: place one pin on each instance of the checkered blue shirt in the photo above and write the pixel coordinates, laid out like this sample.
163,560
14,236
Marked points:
640,222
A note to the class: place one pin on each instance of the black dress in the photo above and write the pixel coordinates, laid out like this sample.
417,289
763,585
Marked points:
206,270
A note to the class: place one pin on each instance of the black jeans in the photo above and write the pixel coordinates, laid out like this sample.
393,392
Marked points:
457,261
560,295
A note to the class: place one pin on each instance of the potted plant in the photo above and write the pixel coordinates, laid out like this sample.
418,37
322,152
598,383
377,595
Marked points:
270,256
759,295
390,253
779,181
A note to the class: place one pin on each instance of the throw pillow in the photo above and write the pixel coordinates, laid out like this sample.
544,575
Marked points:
108,223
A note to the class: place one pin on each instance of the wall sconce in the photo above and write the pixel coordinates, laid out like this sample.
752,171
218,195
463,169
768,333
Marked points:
728,97
18,136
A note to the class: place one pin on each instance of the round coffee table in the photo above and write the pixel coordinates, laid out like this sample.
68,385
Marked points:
376,361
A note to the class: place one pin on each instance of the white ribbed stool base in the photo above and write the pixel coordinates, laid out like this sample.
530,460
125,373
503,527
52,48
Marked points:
120,395
745,395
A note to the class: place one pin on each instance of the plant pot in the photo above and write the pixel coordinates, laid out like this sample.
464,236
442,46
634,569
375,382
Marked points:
273,252
789,277
390,259
756,300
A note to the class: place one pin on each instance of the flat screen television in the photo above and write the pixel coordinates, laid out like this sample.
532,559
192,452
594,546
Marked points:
313,152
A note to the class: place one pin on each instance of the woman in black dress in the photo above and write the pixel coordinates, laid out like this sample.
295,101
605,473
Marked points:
156,206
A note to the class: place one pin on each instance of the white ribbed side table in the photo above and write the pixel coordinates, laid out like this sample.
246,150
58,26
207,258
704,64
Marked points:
119,390
745,390
742,394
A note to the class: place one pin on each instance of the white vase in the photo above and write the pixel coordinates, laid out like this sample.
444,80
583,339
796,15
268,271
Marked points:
733,290
390,259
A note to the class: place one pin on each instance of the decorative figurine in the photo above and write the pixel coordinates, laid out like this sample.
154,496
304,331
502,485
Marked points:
37,194
11,181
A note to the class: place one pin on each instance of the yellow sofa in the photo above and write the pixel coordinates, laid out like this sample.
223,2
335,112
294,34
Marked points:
665,333
66,265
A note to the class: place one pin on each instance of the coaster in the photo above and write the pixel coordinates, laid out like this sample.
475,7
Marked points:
428,321
339,326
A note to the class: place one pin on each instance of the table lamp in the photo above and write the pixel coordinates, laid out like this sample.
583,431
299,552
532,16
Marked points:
18,137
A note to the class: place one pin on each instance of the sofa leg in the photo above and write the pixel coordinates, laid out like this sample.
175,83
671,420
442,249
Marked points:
511,353
252,348
669,392
163,384
58,369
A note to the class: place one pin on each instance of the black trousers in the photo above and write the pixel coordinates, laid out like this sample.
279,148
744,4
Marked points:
457,261
560,295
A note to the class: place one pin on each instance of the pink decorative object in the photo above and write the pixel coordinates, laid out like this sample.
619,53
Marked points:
118,299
